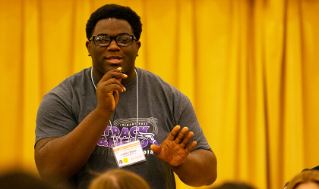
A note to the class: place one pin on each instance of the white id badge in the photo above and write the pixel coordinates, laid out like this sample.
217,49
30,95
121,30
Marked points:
129,154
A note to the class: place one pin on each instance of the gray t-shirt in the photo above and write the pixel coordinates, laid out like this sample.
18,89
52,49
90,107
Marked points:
160,108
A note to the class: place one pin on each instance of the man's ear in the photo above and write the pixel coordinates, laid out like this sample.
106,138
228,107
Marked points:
138,45
88,47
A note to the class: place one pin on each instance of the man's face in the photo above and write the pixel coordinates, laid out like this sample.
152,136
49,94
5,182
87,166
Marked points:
113,56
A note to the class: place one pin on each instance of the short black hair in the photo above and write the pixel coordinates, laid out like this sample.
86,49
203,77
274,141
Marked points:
118,12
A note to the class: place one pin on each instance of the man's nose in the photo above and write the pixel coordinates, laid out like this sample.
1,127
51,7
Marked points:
113,45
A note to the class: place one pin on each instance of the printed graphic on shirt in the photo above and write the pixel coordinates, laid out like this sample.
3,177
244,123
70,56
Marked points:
126,130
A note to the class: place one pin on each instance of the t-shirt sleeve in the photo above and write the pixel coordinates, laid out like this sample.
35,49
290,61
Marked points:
186,117
54,117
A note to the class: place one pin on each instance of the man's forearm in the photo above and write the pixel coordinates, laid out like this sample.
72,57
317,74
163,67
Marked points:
200,168
60,158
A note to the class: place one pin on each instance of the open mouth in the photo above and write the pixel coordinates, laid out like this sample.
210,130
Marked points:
114,60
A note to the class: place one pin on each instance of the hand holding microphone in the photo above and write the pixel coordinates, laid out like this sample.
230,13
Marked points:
108,88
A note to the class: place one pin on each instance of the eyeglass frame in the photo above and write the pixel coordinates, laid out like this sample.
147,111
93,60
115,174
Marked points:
113,38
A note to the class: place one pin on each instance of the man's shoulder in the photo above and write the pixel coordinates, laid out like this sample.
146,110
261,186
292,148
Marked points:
155,84
146,73
76,82
79,77
153,78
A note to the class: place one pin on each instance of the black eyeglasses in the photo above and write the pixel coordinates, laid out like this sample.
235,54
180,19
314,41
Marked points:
121,40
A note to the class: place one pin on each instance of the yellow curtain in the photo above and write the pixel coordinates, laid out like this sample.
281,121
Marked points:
250,67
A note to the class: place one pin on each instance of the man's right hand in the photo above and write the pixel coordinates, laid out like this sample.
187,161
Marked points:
108,88
59,158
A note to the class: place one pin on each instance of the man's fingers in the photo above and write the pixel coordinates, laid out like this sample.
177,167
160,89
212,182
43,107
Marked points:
116,73
111,85
186,140
181,135
156,149
173,133
111,77
191,146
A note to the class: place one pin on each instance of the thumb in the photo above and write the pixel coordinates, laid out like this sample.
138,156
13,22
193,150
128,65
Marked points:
156,149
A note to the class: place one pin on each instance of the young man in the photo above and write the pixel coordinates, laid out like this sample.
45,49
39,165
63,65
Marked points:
82,120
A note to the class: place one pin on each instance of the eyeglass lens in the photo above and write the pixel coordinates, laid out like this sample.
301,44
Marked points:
105,40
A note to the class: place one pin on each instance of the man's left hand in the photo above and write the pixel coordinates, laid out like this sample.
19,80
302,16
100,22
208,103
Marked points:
174,149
